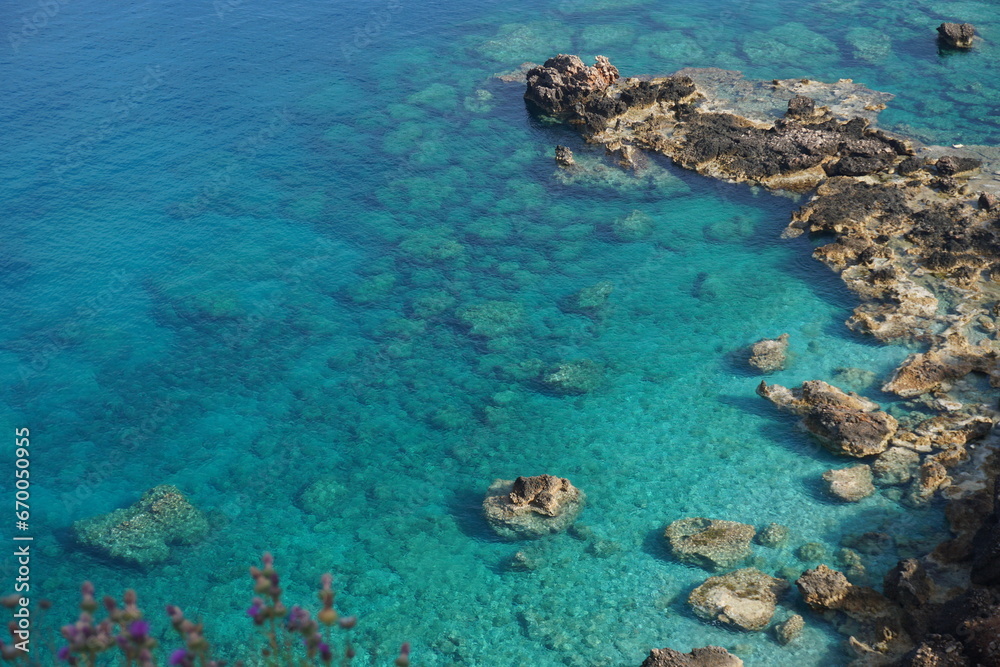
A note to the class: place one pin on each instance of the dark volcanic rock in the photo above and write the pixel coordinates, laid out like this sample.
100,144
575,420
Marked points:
801,106
986,545
956,35
988,202
564,157
908,584
936,651
949,165
910,165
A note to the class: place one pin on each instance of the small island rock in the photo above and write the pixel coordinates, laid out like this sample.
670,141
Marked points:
532,506
956,35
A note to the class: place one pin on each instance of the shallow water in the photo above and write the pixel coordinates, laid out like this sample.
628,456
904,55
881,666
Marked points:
237,244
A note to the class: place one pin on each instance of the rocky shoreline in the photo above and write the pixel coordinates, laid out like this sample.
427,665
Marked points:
915,233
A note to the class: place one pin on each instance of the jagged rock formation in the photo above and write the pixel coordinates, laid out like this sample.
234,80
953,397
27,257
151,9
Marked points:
956,35
531,506
849,484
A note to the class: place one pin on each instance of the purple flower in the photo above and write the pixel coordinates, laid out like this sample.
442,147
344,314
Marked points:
139,630
64,653
179,657
325,654
254,610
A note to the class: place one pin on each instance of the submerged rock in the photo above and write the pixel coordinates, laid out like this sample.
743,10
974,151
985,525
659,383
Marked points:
956,35
573,377
896,465
789,630
773,535
635,226
492,319
531,506
589,300
709,656
744,598
769,354
710,543
849,484
844,423
143,533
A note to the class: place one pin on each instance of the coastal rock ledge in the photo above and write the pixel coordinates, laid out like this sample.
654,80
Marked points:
531,506
709,656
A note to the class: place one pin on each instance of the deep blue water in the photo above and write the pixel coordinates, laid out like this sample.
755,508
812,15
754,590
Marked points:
237,240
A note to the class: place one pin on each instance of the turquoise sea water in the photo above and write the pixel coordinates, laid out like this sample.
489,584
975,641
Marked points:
237,240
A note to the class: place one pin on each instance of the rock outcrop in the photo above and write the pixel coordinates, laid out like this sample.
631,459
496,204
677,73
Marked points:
143,533
710,543
956,35
873,623
769,354
744,598
709,656
532,506
844,423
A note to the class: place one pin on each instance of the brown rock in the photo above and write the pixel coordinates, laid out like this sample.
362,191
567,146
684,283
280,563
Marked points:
532,506
744,598
709,656
850,484
988,202
823,589
769,354
844,423
710,543
956,35
801,106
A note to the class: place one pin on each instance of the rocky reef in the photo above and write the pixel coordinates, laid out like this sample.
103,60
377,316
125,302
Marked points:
914,232
142,533
531,506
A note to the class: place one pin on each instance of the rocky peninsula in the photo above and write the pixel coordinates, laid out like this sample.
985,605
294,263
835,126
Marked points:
914,232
